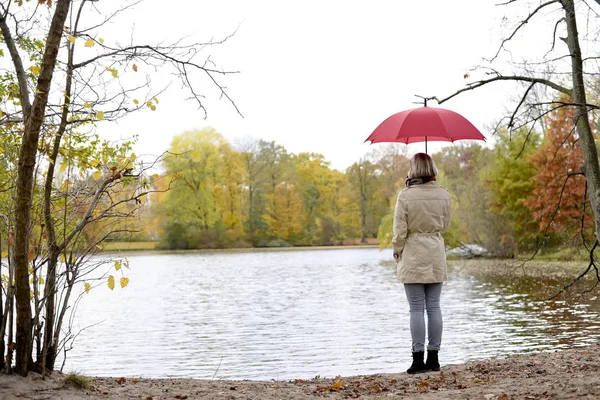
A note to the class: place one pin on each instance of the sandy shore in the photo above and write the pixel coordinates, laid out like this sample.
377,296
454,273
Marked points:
569,374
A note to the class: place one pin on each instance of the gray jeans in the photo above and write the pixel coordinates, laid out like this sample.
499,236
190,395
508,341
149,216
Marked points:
423,297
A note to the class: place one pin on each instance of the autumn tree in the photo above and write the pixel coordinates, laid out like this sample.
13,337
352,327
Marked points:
207,193
555,67
69,79
559,203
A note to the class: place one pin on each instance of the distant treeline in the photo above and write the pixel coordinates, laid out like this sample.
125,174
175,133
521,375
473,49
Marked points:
255,193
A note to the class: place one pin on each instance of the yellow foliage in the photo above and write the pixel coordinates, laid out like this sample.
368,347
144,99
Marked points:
111,282
117,265
35,69
87,287
94,163
100,115
124,282
97,175
134,68
4,254
89,42
86,105
101,41
136,102
71,39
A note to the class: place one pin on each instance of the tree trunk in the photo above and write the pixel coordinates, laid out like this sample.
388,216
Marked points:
586,138
24,184
2,344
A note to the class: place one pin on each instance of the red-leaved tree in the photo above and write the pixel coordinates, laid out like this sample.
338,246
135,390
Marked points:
559,202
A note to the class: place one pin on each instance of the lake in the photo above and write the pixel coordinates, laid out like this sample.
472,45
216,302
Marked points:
298,314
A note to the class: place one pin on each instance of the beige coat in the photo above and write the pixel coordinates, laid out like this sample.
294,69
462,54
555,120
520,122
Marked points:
422,213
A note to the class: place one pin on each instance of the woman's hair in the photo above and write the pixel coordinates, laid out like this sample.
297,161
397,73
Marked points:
422,165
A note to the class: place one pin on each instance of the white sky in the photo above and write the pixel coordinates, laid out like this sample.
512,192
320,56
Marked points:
319,76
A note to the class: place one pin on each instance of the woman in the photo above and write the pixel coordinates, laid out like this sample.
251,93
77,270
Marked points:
422,212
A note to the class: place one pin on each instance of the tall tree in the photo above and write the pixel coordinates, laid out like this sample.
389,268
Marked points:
549,71
53,97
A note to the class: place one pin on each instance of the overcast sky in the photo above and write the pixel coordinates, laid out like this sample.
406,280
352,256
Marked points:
319,76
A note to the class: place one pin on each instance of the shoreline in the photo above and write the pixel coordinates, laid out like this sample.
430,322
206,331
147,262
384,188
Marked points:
565,374
240,249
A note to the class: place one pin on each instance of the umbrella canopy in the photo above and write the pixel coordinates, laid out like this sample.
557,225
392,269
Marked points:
425,124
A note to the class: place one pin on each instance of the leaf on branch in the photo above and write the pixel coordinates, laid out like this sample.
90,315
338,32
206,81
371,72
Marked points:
94,163
136,102
134,67
71,39
100,40
111,282
35,70
62,258
124,282
4,254
41,280
89,42
97,175
117,265
155,176
113,71
87,287
155,100
153,107
87,105
100,115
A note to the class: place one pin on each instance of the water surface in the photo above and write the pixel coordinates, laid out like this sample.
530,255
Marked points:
299,314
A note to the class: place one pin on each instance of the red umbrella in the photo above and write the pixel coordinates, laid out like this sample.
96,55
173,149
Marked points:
425,124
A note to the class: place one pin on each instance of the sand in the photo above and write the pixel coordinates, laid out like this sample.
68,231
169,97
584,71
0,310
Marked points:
568,374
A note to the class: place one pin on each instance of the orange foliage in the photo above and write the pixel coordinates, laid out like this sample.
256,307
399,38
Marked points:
557,158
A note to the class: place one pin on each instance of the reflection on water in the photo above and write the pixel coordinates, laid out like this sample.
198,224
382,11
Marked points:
298,314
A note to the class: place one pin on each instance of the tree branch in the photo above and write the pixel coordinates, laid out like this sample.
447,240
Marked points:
516,78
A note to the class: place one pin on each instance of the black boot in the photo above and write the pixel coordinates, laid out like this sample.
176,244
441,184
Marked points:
417,365
432,363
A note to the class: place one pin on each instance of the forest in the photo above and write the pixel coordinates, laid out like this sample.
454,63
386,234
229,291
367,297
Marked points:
520,193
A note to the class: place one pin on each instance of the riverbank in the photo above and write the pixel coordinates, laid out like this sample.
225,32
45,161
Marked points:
568,374
151,247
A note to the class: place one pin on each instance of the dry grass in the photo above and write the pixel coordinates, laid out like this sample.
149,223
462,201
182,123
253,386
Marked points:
128,246
78,381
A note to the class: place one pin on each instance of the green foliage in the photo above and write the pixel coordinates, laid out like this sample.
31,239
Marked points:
509,179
